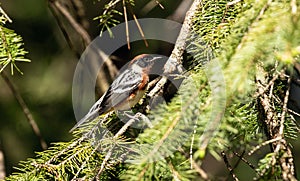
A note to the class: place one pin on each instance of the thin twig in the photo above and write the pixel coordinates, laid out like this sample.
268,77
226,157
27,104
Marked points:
159,86
142,173
126,24
139,27
192,142
85,162
153,83
105,161
293,112
65,33
57,7
80,12
150,5
229,166
263,144
5,15
198,169
284,108
77,27
244,160
262,11
25,110
112,69
270,83
239,160
109,153
176,175
286,161
110,5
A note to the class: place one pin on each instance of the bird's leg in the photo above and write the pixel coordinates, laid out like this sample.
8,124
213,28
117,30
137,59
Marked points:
138,117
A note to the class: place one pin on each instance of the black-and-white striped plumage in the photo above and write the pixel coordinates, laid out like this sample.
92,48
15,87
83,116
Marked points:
125,91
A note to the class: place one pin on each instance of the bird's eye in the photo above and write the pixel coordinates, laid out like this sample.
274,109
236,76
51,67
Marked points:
147,59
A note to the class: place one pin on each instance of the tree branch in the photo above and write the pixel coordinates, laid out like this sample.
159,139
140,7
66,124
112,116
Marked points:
80,13
229,167
197,168
54,4
175,61
58,8
25,109
274,127
109,153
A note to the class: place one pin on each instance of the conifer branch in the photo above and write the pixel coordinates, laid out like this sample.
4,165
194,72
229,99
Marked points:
109,153
176,57
281,152
175,60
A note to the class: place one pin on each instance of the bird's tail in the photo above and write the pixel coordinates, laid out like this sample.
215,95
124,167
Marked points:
93,113
88,117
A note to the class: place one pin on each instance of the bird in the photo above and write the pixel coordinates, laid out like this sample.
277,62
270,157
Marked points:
126,90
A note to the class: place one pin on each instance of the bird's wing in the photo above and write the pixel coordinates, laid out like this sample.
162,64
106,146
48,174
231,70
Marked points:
121,88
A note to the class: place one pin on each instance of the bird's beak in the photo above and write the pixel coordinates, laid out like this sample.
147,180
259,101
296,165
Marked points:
158,57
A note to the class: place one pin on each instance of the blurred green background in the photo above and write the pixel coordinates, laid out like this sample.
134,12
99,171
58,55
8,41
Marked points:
45,86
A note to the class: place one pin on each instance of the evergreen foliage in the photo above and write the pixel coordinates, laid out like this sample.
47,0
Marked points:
254,42
11,46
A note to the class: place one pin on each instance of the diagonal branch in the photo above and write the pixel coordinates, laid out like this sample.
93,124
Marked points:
109,153
175,61
54,4
229,167
25,109
282,153
58,8
194,164
80,13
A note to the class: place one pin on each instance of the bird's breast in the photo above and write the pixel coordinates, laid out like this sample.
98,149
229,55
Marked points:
132,100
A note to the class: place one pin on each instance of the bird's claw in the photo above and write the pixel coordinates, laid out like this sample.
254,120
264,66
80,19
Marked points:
140,117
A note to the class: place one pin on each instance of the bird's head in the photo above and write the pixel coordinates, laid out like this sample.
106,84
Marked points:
148,61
